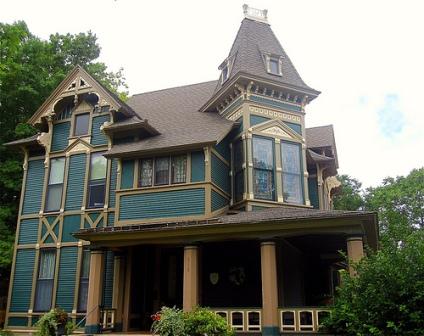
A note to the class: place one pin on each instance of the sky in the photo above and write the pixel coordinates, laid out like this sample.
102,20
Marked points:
366,57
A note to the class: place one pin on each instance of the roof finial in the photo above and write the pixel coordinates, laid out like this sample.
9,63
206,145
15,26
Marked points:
260,15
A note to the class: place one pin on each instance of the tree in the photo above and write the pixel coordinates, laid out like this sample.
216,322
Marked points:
349,194
30,69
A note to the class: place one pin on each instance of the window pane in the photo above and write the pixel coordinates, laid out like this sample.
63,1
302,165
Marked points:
292,188
96,193
263,154
162,171
98,166
85,267
83,295
274,66
54,197
81,124
47,264
238,155
146,172
179,164
225,73
43,295
57,168
263,184
290,154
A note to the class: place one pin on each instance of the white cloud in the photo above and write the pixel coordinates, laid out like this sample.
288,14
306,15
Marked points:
355,52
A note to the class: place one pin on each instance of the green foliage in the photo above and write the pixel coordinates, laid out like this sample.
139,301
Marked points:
30,69
203,321
387,296
199,322
48,324
349,195
171,322
6,333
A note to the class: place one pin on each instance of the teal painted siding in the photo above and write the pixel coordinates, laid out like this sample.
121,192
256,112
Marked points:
60,136
295,127
66,278
76,176
127,179
274,103
197,166
223,148
110,219
108,280
258,207
313,192
220,174
70,224
163,204
112,188
33,187
28,231
97,136
254,119
218,201
17,322
22,282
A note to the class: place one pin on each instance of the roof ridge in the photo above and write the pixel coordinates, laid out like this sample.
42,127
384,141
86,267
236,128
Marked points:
173,87
329,125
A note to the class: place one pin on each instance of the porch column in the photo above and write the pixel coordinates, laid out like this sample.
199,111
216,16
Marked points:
118,289
355,251
191,278
95,289
269,289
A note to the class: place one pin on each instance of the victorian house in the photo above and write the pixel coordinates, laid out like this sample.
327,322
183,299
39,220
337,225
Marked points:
213,194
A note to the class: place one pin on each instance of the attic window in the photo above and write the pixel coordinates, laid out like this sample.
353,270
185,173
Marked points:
225,73
274,65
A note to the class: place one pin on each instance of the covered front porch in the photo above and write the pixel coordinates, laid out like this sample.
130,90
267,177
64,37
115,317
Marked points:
262,282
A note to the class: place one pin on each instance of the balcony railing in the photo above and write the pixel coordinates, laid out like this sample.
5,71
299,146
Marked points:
242,320
107,318
301,319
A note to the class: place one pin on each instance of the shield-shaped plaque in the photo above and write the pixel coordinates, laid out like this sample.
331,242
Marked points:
214,278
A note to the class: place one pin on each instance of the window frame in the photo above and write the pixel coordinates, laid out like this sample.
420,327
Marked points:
50,185
269,170
299,174
74,128
96,182
278,60
44,280
170,177
238,170
83,280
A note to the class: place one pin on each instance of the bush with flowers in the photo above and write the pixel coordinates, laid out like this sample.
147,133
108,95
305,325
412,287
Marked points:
199,322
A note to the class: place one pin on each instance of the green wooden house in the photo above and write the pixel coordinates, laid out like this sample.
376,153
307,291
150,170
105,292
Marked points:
212,194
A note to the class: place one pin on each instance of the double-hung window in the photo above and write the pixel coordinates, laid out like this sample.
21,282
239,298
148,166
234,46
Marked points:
83,285
44,289
238,170
263,168
97,182
55,186
292,173
163,170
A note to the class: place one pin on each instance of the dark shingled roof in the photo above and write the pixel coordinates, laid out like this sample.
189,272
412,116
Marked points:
321,136
175,115
253,39
25,141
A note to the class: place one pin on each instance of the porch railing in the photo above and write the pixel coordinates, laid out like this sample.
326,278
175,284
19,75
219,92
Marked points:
301,319
242,319
107,316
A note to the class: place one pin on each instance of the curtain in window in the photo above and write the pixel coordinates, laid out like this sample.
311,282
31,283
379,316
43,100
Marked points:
292,173
179,164
146,172
83,287
43,297
97,183
54,188
263,164
162,171
98,166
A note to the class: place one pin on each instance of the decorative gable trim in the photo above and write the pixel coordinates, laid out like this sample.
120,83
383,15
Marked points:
277,129
77,146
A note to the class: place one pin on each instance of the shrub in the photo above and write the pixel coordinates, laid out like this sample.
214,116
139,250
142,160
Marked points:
49,323
203,321
169,322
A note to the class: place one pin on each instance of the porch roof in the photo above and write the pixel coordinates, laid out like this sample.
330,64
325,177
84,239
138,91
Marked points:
271,222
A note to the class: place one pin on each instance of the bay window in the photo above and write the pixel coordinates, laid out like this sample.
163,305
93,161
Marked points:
238,170
163,170
55,185
44,287
263,168
292,173
97,181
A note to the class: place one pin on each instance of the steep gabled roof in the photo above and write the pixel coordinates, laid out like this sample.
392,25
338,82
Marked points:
255,39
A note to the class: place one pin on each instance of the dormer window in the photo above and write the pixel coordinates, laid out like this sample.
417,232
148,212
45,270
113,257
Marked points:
274,65
225,68
225,73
